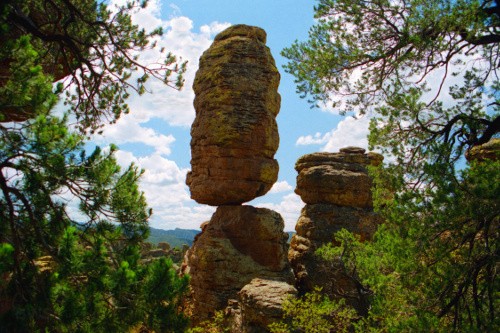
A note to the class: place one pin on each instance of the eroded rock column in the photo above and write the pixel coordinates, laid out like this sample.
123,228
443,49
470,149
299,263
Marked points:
337,191
234,139
234,134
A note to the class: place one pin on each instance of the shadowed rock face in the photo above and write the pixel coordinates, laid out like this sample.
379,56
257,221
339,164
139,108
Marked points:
337,191
234,135
238,244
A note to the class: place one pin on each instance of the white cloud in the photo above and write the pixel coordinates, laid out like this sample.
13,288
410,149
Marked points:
350,131
128,130
163,181
175,107
316,139
289,208
165,191
281,186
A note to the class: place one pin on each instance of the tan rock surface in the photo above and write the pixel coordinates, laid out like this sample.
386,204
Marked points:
235,135
316,226
336,178
489,150
260,304
337,191
238,244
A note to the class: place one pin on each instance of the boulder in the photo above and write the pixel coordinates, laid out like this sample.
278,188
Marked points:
259,304
234,134
316,226
239,243
164,246
336,178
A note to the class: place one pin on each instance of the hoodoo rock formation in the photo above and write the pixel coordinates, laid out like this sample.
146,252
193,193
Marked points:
337,191
234,139
239,243
234,134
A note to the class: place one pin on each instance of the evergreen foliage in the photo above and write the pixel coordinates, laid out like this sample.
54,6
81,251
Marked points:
315,313
72,221
98,46
433,266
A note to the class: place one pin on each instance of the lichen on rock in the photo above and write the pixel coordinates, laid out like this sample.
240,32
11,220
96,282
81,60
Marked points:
234,134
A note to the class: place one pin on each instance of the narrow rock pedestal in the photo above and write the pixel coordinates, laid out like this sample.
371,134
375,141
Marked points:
239,243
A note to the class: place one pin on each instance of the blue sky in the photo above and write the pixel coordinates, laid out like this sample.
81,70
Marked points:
155,135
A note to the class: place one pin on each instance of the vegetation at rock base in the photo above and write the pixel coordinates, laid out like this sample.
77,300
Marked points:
72,221
315,313
434,265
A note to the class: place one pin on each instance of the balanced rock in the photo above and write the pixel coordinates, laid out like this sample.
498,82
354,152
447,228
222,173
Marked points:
238,244
336,178
234,134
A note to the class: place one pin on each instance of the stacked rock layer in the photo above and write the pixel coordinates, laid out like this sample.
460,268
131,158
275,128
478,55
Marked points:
234,139
234,135
337,191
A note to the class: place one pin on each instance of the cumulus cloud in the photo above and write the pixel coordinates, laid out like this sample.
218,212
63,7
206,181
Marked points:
165,191
316,139
289,208
163,181
173,106
281,186
350,131
129,130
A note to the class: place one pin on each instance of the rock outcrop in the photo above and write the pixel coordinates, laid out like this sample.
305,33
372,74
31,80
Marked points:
337,191
336,178
239,243
234,134
234,139
259,304
489,150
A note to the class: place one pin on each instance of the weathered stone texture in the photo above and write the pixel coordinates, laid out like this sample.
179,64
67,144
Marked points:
259,304
489,150
235,135
337,191
238,244
316,226
336,178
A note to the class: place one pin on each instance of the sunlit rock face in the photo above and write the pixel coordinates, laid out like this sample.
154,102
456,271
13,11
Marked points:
336,188
238,244
336,178
259,304
490,150
234,134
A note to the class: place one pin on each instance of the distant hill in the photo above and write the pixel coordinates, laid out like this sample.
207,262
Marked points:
179,237
176,237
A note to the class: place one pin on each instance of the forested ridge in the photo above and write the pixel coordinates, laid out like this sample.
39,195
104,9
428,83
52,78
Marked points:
424,71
